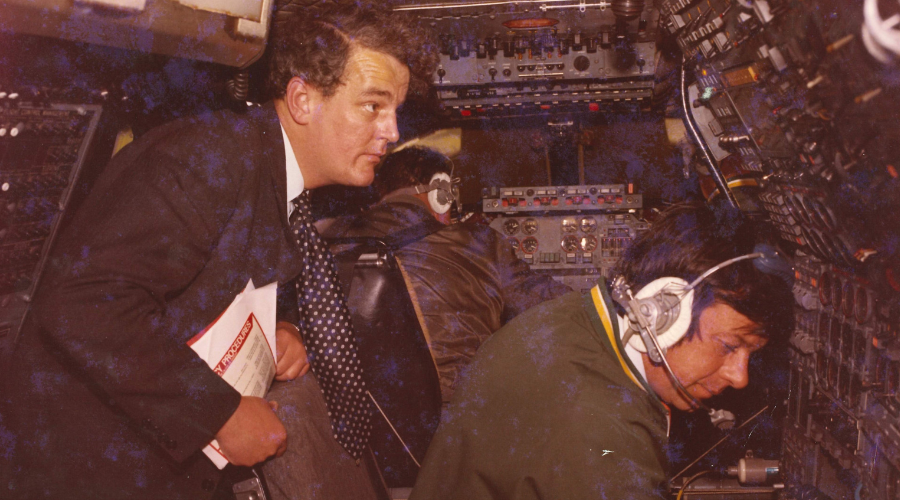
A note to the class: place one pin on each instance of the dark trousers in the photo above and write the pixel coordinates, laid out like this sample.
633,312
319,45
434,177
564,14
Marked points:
315,466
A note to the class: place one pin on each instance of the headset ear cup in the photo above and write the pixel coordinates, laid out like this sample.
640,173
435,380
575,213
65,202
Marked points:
440,198
661,293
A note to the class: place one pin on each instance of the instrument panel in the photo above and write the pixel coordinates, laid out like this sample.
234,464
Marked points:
799,101
512,58
845,385
577,243
601,197
42,148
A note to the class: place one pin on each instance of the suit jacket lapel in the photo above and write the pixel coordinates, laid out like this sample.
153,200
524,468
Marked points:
273,152
273,148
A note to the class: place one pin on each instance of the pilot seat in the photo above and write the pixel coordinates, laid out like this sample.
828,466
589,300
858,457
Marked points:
399,367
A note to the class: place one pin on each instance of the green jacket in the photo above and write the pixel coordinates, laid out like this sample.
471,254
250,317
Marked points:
550,408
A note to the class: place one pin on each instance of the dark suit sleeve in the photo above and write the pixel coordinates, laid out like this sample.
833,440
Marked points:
521,287
136,244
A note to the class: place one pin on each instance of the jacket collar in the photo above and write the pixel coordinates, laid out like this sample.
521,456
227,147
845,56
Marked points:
403,198
600,308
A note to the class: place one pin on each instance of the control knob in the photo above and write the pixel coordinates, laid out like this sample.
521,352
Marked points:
582,63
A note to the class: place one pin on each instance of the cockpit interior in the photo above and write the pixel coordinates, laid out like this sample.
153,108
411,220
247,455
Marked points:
571,124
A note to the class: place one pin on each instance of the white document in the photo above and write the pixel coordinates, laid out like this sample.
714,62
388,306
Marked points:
240,347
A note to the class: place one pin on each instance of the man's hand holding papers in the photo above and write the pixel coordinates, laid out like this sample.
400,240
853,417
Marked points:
248,349
252,434
291,356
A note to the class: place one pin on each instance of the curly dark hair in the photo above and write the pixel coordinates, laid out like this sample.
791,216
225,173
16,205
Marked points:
408,167
314,43
689,239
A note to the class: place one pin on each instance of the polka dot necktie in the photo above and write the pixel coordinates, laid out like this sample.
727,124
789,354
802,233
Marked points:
328,335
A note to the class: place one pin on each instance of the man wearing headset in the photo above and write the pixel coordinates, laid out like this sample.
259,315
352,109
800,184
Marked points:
566,401
465,278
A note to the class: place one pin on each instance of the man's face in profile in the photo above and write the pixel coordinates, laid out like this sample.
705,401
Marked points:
715,358
352,128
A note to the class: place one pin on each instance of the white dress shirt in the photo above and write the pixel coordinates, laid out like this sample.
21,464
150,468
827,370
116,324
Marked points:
294,176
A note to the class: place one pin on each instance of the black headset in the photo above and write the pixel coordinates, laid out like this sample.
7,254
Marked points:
659,315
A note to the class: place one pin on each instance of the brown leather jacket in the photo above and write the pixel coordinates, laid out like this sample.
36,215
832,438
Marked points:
466,279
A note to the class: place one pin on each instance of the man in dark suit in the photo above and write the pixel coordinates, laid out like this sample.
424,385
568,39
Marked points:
103,398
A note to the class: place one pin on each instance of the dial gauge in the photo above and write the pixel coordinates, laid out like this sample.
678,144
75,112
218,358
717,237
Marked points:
588,224
588,243
570,243
530,226
529,245
569,225
511,226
